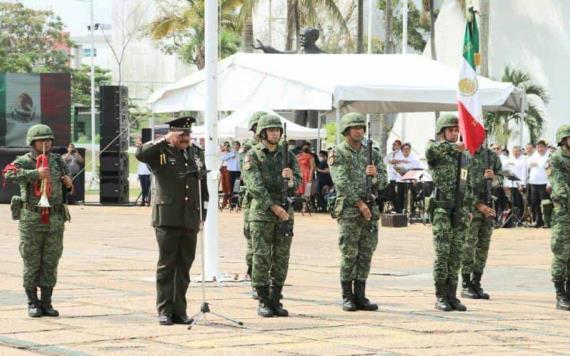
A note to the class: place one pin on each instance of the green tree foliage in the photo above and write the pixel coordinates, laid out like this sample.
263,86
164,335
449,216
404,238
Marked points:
418,27
81,84
32,40
498,124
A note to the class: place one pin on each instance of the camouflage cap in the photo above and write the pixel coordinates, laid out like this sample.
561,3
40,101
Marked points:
352,119
254,119
39,132
268,122
446,120
562,132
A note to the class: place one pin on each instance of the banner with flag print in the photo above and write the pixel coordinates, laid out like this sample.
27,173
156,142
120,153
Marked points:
468,105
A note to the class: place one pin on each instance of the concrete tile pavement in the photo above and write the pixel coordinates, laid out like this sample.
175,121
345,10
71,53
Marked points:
106,292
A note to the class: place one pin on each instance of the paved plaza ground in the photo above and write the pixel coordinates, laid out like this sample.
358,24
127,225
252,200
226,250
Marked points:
106,296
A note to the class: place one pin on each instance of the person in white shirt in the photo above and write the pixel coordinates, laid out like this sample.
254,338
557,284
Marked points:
537,181
230,160
516,165
144,175
407,162
391,160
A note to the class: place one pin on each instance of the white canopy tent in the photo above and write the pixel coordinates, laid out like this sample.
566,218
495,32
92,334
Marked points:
235,126
367,83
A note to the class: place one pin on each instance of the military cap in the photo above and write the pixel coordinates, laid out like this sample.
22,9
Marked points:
181,124
269,122
446,120
352,119
39,132
562,132
254,119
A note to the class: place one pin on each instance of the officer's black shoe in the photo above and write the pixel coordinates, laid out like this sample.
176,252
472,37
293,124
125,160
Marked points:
275,298
347,297
468,290
34,307
476,282
562,301
181,319
47,309
165,319
454,302
362,303
264,309
441,301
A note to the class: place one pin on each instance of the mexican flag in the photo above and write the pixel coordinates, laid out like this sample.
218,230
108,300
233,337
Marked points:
30,99
468,105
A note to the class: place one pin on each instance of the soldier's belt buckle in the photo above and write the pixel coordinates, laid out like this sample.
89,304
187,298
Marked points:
464,174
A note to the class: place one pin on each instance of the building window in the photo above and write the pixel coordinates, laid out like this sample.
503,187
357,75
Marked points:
87,52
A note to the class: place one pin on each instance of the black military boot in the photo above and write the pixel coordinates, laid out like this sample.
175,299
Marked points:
562,301
441,300
362,303
264,309
275,298
47,309
454,302
468,289
347,296
34,308
476,282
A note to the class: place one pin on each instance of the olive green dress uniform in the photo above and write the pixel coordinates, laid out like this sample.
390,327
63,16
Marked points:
175,217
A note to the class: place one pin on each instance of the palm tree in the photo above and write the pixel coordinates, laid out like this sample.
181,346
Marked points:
301,13
498,123
186,28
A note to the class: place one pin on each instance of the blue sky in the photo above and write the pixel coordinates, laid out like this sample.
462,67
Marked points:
75,13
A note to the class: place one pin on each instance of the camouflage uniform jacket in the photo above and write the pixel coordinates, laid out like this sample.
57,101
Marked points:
559,177
262,175
442,160
477,172
27,175
348,168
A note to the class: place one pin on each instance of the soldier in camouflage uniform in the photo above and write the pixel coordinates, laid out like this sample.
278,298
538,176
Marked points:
357,220
41,244
449,222
486,166
263,174
248,145
559,178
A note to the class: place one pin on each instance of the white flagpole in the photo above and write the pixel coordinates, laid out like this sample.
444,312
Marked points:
211,226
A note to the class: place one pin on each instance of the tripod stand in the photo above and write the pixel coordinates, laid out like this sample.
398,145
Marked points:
205,308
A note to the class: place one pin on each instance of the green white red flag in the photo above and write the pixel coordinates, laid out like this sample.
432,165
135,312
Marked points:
468,104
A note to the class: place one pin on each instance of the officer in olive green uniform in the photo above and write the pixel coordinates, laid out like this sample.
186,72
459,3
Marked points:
357,219
41,241
270,224
559,177
449,209
175,164
248,145
485,168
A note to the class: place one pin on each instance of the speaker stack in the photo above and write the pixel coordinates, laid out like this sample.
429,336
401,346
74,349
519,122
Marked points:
114,142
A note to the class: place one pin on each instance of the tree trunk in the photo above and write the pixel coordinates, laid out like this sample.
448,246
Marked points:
432,30
387,121
389,42
360,34
247,35
484,13
297,28
291,5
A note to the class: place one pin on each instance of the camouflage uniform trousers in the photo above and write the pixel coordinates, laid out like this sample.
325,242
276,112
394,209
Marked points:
41,247
560,245
477,243
448,243
270,253
358,239
247,234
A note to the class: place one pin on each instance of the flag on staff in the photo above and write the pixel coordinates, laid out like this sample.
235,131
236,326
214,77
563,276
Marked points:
468,105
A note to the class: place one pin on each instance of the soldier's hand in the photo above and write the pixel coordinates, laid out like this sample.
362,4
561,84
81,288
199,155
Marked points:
371,171
138,142
470,216
43,172
489,174
173,137
364,210
287,173
460,147
281,214
548,189
67,181
486,210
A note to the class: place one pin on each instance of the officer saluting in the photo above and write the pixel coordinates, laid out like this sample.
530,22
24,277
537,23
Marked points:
175,164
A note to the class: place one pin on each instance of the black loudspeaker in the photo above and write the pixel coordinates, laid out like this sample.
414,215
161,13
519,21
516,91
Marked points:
114,119
8,155
146,135
114,175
